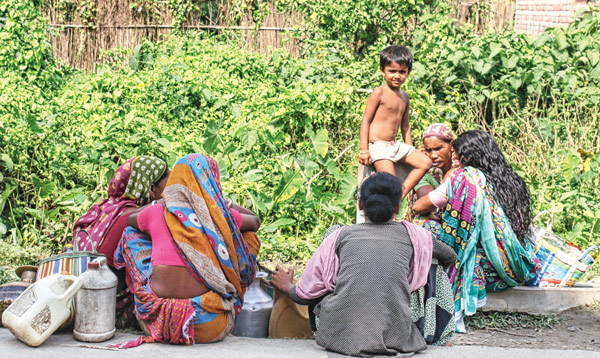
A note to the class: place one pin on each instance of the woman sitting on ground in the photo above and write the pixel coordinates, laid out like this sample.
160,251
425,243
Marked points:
438,139
135,183
363,275
486,219
190,259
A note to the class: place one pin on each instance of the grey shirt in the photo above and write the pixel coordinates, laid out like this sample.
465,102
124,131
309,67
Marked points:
369,311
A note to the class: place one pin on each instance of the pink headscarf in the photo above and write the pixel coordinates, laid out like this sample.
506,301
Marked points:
439,130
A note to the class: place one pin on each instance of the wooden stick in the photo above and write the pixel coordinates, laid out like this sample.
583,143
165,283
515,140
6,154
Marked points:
511,333
210,27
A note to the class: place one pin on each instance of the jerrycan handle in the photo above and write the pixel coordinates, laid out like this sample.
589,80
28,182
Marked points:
101,261
549,223
75,285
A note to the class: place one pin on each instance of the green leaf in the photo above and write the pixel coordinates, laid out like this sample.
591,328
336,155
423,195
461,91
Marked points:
37,182
236,110
320,142
3,229
253,175
289,185
515,82
450,78
495,49
570,167
561,39
47,189
221,102
512,62
7,162
279,223
33,125
165,143
419,68
456,57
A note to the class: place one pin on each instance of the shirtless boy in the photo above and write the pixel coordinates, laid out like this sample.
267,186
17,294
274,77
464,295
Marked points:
386,112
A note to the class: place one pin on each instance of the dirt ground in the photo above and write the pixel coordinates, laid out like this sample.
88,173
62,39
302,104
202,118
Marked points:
579,329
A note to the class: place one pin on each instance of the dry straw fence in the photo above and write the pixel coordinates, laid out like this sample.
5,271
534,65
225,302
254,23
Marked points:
87,27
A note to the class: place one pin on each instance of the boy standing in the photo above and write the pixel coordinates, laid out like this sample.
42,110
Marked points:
385,113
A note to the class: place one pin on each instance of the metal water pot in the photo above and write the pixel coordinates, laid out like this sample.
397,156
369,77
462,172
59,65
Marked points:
95,303
253,321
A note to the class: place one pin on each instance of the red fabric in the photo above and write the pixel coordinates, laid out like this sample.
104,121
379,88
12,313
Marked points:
237,217
112,237
100,218
164,250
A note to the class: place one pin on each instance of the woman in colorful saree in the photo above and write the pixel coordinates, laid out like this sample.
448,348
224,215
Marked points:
360,280
135,183
486,219
188,264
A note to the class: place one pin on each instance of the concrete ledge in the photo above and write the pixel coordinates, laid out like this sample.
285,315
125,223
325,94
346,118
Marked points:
541,300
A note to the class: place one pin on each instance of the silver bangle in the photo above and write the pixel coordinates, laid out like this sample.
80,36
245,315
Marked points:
229,201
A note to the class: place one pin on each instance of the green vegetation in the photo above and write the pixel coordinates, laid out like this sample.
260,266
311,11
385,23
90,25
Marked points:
277,124
511,320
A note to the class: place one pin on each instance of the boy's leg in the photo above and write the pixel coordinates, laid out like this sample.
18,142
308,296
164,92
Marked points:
421,164
385,166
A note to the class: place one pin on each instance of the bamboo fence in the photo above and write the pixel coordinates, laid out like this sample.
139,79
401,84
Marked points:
86,28
80,41
495,15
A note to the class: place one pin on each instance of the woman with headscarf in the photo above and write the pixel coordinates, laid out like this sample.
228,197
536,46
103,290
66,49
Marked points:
486,216
135,183
187,261
437,145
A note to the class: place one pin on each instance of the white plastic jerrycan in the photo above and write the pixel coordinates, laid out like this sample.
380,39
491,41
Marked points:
96,303
41,309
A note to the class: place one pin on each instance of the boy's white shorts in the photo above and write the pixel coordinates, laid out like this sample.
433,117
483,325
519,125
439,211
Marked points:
390,150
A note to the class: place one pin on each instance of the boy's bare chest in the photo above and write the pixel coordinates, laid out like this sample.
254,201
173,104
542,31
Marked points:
392,102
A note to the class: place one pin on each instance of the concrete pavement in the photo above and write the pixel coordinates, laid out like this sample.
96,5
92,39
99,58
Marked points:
542,300
63,345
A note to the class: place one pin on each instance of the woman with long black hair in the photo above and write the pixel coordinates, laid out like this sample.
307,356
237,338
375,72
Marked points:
486,218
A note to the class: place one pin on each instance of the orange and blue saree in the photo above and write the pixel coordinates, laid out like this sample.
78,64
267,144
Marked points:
213,249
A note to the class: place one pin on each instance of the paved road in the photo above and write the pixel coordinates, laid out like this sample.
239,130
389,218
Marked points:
63,345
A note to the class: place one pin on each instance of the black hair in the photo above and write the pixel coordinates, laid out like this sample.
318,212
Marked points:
380,194
163,176
476,148
396,53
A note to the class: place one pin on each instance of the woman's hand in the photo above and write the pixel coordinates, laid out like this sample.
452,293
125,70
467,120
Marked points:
423,205
283,279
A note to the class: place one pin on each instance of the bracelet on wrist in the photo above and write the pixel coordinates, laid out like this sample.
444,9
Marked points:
364,152
229,201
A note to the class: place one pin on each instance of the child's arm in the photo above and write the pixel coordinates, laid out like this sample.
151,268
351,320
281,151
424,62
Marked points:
405,125
372,105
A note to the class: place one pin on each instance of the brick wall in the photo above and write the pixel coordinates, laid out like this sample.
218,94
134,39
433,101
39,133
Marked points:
534,16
